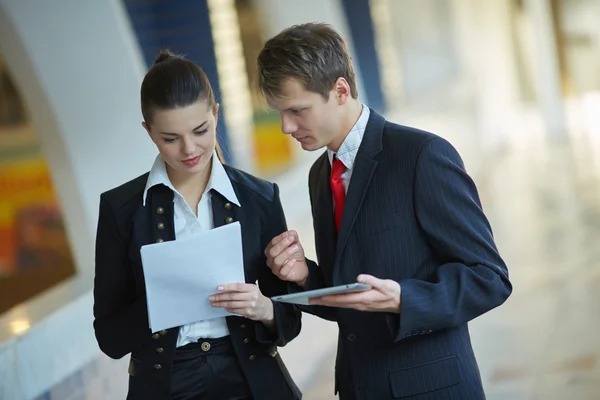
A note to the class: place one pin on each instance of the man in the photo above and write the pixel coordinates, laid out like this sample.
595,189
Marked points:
393,208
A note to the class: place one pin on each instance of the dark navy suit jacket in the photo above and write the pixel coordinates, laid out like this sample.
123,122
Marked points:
412,214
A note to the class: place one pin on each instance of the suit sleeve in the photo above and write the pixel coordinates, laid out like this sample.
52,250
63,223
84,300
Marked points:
287,317
120,316
472,278
315,280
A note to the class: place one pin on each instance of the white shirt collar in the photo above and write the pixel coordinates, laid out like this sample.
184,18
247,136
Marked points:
349,148
219,180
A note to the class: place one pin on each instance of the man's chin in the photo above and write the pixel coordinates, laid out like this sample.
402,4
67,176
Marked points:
310,146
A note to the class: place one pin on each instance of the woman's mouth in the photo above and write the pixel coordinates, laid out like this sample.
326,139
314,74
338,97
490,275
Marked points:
191,162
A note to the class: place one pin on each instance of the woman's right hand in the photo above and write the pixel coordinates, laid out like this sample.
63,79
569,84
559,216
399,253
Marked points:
285,257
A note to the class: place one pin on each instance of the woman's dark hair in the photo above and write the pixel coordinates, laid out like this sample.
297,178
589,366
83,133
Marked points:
172,82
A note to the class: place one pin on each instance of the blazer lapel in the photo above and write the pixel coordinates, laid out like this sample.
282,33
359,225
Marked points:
364,167
152,223
323,218
225,212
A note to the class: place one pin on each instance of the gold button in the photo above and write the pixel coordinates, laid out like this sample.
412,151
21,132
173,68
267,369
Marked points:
159,240
228,220
273,353
243,326
205,346
157,366
228,206
252,357
160,350
160,210
156,336
160,226
246,340
163,332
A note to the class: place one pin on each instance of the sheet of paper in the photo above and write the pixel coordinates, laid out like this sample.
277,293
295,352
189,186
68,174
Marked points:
180,275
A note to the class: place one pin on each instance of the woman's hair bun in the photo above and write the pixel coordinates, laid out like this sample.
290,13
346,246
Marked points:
163,56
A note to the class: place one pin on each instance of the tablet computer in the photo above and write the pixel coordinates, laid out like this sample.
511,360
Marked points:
302,297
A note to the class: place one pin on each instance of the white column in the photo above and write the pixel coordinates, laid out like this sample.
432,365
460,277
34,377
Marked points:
233,80
548,84
488,60
388,51
78,68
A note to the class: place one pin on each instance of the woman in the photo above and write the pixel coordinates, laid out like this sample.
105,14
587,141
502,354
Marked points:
187,191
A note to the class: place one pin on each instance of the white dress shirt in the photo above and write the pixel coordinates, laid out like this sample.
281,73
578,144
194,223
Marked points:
188,224
347,151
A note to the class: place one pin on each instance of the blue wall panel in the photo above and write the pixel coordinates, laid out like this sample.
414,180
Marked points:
183,26
358,16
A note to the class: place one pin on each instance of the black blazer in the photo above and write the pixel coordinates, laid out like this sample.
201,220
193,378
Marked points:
412,214
120,311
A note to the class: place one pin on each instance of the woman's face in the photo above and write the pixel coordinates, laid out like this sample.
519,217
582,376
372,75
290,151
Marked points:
185,137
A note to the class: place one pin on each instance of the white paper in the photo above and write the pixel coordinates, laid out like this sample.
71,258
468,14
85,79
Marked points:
180,275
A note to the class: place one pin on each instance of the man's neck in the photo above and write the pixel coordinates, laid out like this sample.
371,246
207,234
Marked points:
352,115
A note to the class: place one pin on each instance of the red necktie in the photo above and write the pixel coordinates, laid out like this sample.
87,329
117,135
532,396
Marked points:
337,189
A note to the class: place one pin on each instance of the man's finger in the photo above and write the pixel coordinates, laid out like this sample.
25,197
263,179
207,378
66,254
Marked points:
280,247
285,255
341,300
371,280
275,240
292,235
287,267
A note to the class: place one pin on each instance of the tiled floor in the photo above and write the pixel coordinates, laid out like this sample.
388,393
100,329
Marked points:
544,342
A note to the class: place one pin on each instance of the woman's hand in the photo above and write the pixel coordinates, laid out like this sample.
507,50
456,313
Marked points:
244,299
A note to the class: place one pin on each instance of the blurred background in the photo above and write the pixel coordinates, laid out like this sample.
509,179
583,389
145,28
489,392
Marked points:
514,85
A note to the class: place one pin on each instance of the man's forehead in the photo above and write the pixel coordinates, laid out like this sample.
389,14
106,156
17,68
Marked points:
292,95
282,103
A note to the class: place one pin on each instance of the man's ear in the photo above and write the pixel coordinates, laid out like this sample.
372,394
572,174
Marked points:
342,90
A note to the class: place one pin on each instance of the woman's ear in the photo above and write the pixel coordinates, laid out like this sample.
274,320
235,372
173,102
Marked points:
146,127
216,113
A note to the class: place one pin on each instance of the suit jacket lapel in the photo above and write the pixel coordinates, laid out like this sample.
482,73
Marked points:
323,218
364,167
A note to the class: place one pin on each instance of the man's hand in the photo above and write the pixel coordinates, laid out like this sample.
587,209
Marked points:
285,257
384,297
244,299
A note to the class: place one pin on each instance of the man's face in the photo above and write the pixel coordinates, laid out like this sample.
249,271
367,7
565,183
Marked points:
312,121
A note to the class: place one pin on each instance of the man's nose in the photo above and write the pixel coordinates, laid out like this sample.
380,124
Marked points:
288,126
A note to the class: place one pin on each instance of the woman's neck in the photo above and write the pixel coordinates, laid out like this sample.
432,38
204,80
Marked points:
191,186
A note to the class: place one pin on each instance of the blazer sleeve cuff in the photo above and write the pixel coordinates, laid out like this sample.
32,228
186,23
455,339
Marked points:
265,336
406,324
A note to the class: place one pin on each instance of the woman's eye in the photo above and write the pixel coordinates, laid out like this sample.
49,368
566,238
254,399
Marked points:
201,132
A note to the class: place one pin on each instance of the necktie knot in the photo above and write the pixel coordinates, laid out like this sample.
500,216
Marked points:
337,168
